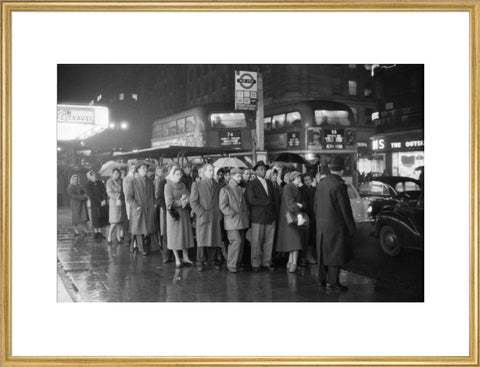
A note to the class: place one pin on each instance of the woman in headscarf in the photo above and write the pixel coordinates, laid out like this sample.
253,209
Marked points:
78,203
97,196
179,226
117,212
289,238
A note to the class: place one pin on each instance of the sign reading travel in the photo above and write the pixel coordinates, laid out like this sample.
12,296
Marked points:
80,122
246,93
333,138
230,138
293,140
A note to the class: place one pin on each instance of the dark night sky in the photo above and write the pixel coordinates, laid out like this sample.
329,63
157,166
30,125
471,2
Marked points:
81,83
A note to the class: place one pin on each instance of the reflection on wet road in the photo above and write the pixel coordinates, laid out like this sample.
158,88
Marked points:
93,271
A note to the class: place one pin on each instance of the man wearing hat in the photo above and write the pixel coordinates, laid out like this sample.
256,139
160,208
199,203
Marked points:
335,226
187,178
260,197
235,217
142,212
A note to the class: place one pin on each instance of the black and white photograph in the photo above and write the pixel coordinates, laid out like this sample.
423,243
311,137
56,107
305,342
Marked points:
240,182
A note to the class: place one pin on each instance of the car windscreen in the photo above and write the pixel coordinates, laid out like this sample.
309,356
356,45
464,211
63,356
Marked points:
374,188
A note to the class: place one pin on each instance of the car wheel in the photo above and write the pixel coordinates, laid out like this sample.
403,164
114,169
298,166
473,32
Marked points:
389,241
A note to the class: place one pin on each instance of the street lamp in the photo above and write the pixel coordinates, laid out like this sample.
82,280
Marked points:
124,125
111,125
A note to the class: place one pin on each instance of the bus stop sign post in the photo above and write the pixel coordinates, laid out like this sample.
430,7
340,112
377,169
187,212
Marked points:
247,89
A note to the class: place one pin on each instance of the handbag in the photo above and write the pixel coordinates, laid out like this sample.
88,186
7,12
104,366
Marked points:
173,212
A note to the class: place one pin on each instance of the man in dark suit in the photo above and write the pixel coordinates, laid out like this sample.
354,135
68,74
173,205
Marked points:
335,226
260,197
187,178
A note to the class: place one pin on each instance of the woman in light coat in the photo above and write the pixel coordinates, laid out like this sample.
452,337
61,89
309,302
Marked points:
289,238
117,212
78,203
179,229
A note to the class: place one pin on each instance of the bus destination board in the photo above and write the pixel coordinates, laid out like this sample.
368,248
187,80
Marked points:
230,138
334,138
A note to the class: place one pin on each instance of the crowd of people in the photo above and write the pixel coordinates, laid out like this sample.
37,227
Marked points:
244,219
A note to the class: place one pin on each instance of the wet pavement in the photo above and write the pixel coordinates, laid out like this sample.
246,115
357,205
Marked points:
92,271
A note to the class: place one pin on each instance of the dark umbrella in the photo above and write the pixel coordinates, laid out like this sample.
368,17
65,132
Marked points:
290,158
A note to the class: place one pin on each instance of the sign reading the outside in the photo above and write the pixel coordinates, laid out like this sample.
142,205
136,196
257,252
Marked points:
333,138
413,142
293,140
230,138
246,96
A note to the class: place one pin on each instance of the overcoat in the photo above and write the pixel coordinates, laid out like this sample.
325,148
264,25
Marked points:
205,203
78,203
96,193
262,206
160,205
179,232
289,237
116,204
141,195
234,207
335,223
127,187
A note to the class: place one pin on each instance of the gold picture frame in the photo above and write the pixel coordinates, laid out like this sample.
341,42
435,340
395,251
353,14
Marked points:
470,6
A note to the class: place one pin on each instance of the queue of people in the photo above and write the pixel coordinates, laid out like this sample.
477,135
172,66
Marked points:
256,219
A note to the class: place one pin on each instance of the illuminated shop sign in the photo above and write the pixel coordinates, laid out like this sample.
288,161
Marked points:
397,143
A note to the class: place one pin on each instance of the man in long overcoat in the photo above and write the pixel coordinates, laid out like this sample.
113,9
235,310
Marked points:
142,211
235,218
260,197
204,202
335,226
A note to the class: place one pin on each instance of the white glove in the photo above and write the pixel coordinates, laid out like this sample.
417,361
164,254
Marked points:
300,220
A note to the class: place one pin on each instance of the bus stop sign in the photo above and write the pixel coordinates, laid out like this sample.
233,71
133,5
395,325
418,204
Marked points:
246,96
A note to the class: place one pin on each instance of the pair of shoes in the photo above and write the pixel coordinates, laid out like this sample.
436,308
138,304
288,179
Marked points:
232,270
216,266
132,249
292,268
187,262
144,253
200,267
167,260
336,286
311,260
109,243
100,236
178,266
255,269
95,236
268,267
322,283
289,264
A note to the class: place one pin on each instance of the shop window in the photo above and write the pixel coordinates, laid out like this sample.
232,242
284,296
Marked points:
189,124
135,96
267,121
228,120
352,88
121,96
294,119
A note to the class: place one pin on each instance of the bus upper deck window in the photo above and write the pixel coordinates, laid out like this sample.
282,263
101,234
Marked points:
228,120
294,118
189,124
278,121
268,123
181,125
332,117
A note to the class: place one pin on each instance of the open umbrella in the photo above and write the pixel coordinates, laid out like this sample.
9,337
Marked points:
229,162
290,158
420,168
108,167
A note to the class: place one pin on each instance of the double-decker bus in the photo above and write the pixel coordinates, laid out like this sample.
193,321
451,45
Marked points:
316,130
211,125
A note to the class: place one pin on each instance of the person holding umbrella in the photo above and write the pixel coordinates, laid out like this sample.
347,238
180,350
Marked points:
116,213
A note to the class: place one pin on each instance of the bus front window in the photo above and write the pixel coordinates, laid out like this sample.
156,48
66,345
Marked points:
228,120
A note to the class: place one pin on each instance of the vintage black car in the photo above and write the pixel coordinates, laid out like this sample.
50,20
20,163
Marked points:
401,226
386,192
